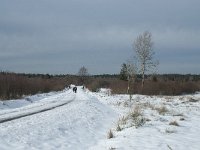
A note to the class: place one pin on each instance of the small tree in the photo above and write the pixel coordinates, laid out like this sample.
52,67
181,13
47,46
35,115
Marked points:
128,73
123,72
131,75
82,73
143,47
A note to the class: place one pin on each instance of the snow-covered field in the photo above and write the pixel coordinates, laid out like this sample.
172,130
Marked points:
82,120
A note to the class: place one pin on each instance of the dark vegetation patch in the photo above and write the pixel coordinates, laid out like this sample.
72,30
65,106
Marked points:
154,85
13,86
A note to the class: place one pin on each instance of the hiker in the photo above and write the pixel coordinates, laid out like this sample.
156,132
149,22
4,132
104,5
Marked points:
74,89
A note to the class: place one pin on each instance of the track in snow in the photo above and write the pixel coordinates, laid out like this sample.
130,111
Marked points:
31,111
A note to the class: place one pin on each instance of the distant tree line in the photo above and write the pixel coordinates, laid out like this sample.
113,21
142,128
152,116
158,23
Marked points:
163,84
162,77
16,85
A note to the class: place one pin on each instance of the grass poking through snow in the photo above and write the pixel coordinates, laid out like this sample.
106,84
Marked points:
110,134
174,123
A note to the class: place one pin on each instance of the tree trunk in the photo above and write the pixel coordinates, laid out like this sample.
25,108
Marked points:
128,85
142,79
143,69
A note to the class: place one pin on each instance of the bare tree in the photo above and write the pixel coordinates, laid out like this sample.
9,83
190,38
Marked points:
83,73
130,73
143,47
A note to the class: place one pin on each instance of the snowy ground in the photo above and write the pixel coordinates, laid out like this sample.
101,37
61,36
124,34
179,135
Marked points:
156,129
142,123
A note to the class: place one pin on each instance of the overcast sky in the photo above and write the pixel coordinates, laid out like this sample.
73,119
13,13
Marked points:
60,36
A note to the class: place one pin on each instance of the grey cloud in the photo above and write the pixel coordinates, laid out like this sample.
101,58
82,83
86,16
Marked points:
96,33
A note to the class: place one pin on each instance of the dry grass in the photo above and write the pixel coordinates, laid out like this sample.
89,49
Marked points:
162,110
137,111
123,120
110,134
118,128
140,121
136,117
174,123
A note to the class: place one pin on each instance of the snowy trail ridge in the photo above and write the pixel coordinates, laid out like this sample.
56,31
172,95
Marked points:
78,125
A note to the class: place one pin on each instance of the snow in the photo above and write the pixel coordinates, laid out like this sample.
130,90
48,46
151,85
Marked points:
27,100
77,125
84,119
157,133
45,104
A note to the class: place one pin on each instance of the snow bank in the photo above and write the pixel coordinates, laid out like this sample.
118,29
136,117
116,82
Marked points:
78,125
156,133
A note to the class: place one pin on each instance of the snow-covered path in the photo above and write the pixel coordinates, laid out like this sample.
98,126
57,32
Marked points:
77,125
